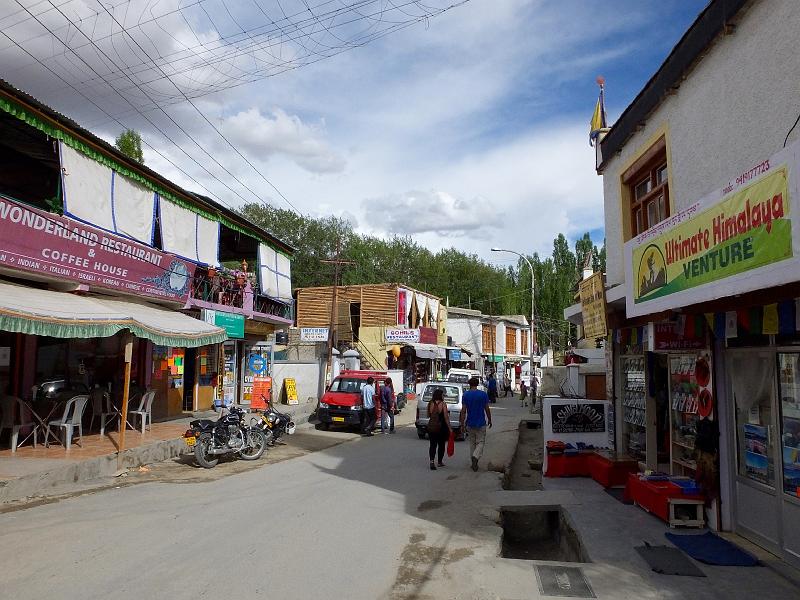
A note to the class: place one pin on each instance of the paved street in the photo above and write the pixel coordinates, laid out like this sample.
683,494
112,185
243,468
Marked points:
360,519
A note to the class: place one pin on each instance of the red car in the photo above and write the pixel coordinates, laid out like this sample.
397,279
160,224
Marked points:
341,404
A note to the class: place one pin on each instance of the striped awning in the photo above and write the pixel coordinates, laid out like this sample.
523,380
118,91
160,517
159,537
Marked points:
58,314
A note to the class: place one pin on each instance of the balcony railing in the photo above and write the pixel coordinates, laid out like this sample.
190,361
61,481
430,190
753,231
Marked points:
237,289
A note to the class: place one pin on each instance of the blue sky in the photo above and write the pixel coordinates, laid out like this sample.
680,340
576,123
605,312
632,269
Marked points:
469,130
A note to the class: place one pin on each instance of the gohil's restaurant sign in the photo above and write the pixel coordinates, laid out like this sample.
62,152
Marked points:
47,244
725,244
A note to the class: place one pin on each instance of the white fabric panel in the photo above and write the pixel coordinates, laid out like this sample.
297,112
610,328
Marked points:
87,188
267,262
133,206
207,241
409,306
178,230
422,304
433,306
284,268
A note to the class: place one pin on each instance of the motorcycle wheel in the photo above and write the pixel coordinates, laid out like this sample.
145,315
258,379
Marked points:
201,455
257,446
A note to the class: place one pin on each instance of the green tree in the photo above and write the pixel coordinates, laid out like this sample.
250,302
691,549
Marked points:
129,143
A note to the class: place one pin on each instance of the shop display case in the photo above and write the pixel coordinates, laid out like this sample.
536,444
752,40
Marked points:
690,400
789,389
634,406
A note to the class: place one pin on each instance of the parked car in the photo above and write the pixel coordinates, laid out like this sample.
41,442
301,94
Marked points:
453,393
341,403
463,376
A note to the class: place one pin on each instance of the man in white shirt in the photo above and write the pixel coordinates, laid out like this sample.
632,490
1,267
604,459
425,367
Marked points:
368,400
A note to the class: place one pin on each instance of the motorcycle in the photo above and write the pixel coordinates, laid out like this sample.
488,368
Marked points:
227,435
274,424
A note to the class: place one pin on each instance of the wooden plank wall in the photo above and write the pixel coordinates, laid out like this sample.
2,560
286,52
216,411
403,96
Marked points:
378,305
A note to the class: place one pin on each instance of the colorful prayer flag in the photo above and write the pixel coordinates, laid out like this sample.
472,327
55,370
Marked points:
598,121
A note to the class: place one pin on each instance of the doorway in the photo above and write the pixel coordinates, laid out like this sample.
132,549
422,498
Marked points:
189,371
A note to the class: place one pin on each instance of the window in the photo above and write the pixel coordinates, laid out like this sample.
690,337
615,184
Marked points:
647,187
487,337
524,337
511,341
450,393
347,385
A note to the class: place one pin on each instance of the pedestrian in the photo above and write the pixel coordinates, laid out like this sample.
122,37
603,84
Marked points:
438,426
476,414
368,401
507,389
388,405
523,393
491,387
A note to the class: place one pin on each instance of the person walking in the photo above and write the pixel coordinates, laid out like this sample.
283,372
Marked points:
475,414
491,388
388,405
438,427
368,400
523,393
507,389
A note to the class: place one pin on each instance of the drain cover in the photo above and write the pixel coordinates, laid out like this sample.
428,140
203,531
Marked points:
566,582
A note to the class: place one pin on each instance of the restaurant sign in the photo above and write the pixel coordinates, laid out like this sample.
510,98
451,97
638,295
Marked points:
727,243
51,245
402,336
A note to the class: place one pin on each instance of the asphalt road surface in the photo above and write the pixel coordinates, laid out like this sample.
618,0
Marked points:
330,515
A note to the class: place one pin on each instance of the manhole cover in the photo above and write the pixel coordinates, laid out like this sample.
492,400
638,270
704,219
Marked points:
566,582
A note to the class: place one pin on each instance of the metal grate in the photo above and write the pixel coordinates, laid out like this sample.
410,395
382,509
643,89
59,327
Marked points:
563,582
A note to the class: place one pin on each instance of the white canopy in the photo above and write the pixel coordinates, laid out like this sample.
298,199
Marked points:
58,314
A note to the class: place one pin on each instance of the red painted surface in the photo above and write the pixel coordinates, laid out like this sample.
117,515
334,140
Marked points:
654,496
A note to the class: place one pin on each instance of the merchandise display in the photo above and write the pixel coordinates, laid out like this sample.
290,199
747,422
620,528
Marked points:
691,399
789,389
634,402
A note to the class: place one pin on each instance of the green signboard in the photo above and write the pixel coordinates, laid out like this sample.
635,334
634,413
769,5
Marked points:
233,324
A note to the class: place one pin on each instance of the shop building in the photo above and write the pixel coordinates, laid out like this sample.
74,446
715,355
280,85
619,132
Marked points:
103,246
392,326
500,344
700,177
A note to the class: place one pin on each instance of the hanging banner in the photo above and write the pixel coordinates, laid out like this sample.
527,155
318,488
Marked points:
593,307
725,244
402,312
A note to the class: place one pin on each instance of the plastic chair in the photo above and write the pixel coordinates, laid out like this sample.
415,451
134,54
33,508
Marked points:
109,413
7,405
145,410
73,413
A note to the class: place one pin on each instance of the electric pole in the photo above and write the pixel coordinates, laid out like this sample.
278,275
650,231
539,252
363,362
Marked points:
337,262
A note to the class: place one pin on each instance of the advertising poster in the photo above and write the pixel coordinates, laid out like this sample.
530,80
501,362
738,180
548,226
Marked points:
578,418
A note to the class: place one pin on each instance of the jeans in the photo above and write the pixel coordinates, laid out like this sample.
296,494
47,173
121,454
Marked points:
387,414
369,420
477,440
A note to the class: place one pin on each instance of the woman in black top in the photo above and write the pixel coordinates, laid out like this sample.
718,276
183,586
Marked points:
438,426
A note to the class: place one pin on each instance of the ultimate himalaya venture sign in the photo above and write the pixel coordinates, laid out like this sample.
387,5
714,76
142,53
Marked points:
725,244
61,248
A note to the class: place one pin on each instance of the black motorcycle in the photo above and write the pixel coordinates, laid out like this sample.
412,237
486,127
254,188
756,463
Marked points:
274,424
227,435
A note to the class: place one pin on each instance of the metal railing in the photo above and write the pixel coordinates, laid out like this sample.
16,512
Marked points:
238,290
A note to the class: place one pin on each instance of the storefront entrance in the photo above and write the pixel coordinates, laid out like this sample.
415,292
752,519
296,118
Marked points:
764,390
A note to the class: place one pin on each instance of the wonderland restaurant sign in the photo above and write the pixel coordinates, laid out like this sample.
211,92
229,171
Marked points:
47,244
727,243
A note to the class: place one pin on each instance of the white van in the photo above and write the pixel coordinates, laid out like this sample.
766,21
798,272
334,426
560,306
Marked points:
463,376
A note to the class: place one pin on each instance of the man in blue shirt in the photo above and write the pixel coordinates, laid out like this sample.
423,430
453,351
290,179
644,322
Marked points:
475,413
491,387
368,400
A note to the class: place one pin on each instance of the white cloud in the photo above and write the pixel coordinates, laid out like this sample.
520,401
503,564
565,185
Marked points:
260,137
418,212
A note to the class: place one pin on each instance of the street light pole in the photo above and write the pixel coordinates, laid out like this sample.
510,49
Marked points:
533,320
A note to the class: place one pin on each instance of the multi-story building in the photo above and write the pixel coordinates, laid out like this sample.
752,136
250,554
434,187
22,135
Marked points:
701,189
94,244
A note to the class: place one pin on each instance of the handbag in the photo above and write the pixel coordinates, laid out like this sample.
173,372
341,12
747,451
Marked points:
451,444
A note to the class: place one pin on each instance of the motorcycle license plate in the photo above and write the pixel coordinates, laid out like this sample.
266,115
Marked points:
191,441
338,419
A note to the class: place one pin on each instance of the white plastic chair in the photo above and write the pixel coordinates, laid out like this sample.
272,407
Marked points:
73,413
109,413
145,410
7,405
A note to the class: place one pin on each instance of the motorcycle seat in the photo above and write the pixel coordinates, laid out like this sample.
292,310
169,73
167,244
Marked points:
203,424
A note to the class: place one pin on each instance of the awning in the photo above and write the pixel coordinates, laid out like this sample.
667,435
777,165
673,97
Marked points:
429,351
57,314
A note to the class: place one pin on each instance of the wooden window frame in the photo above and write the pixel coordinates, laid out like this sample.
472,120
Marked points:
651,167
524,342
511,335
